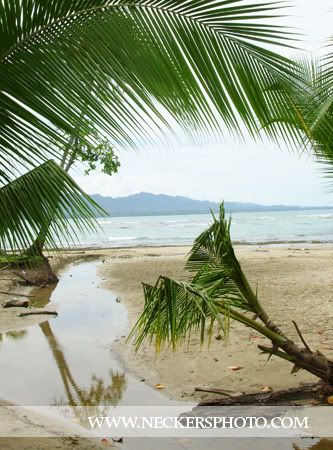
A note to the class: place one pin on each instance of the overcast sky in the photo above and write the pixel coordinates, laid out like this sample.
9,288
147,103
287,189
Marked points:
229,170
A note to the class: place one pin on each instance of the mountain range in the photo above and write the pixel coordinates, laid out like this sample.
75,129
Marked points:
146,204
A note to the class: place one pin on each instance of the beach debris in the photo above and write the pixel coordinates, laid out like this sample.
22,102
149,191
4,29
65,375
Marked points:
218,337
106,442
35,313
330,400
118,440
266,389
314,402
216,360
226,392
118,300
235,368
256,336
307,391
159,386
16,304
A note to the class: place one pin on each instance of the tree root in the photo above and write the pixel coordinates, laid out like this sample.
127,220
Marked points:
38,276
311,391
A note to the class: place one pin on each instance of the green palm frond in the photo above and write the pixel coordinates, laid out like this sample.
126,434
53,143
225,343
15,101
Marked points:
132,67
311,111
44,198
308,118
219,291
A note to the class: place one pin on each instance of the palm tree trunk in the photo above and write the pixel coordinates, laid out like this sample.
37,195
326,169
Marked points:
303,358
66,163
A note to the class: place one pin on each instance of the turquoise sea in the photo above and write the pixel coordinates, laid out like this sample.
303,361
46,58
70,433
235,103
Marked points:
308,226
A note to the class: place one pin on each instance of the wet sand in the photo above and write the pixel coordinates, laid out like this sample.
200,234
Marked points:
293,284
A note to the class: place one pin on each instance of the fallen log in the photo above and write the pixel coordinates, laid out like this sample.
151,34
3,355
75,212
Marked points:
311,391
35,313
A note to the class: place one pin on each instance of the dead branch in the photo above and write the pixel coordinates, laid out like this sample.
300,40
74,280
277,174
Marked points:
225,392
33,313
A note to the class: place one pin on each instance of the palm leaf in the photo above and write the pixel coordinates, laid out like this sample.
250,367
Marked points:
311,108
132,66
44,198
219,291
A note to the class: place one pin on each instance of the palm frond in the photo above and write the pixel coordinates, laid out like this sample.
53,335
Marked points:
219,291
44,198
131,66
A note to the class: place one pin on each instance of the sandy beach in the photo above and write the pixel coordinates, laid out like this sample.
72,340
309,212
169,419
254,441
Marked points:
294,283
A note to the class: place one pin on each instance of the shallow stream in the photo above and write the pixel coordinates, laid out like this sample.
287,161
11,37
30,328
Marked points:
68,360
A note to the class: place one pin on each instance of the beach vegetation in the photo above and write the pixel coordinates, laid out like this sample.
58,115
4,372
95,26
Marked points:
217,293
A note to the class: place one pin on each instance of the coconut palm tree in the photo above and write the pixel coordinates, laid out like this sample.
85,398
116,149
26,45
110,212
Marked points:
217,292
136,67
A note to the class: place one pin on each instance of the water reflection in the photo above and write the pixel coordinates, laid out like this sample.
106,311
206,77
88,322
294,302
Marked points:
42,295
67,360
14,335
98,393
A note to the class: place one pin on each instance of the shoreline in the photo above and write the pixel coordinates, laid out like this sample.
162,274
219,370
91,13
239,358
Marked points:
273,244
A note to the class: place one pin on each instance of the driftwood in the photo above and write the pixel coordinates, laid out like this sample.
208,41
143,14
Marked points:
35,313
16,304
310,391
225,392
14,294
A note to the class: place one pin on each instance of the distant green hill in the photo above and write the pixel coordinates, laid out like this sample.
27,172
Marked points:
145,204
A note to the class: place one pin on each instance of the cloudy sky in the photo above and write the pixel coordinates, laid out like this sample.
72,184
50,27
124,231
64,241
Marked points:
228,169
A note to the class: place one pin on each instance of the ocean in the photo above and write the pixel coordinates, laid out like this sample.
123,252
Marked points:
278,227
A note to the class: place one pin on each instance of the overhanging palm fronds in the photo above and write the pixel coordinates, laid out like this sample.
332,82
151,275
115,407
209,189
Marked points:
124,62
311,108
217,293
46,197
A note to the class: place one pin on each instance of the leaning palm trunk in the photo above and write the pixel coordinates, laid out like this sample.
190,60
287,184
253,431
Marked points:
67,160
217,293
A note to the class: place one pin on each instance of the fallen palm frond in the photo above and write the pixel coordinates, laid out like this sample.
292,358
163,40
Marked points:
217,293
